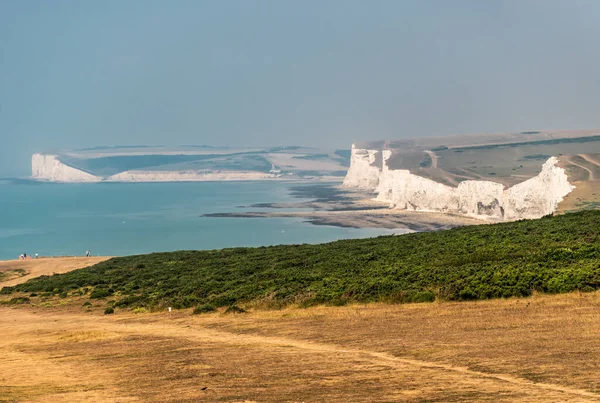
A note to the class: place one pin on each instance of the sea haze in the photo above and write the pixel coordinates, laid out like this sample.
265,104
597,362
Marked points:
133,218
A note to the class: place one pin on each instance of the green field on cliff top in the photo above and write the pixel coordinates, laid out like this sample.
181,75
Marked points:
550,255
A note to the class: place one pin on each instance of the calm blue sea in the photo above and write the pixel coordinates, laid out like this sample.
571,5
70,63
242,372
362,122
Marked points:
131,218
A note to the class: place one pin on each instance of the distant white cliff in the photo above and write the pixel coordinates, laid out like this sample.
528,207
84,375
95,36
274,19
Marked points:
188,176
365,169
48,167
533,198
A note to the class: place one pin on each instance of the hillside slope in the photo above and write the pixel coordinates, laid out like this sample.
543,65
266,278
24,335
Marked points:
553,255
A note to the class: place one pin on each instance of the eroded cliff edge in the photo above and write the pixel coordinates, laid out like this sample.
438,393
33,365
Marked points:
533,198
49,167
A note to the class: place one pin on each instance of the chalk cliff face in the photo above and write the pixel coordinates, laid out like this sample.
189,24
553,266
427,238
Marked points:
533,198
365,169
48,167
539,195
188,176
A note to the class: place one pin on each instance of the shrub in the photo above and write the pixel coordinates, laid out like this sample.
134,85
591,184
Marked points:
99,293
204,309
234,309
130,300
19,301
63,295
87,303
139,310
109,310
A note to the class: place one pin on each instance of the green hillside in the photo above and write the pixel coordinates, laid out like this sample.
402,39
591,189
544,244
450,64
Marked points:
551,255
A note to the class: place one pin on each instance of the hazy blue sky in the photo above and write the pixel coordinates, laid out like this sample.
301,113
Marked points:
325,73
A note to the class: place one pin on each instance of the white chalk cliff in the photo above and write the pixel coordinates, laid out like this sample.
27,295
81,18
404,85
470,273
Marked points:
48,167
188,176
533,198
364,170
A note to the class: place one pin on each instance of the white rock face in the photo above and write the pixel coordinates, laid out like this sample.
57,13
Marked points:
404,190
540,195
188,176
364,171
48,167
481,198
533,198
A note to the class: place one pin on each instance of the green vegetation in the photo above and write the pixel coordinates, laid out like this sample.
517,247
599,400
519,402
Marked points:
551,255
205,308
17,301
426,163
543,157
100,293
312,157
108,311
587,139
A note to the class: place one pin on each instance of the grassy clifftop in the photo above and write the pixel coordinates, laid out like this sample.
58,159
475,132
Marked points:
552,255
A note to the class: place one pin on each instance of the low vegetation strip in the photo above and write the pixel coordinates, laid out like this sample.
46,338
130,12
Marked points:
551,255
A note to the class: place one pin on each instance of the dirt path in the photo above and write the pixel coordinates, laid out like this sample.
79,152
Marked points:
591,174
591,159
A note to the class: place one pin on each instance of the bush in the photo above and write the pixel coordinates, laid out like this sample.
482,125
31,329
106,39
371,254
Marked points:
139,310
19,301
63,295
234,309
100,293
206,308
87,303
110,310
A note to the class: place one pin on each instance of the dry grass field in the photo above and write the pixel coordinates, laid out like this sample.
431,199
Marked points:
543,348
19,271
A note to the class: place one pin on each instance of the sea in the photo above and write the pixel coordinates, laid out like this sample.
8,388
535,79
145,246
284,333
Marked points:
117,219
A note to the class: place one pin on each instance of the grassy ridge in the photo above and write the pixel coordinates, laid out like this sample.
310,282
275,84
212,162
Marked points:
553,255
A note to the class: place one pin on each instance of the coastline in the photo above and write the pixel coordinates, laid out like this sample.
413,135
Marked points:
331,204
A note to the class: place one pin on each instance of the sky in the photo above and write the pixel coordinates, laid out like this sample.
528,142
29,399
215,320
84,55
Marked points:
320,73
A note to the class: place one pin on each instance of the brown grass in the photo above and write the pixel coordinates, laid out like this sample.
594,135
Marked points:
45,266
543,348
